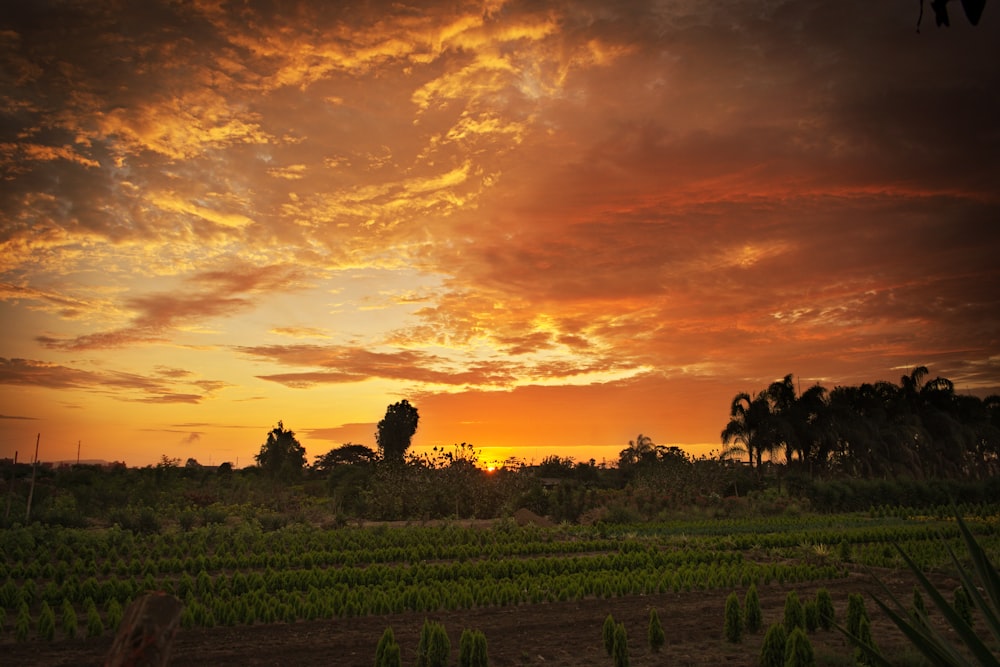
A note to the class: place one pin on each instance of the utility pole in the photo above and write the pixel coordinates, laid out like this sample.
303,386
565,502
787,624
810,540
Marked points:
31,489
78,452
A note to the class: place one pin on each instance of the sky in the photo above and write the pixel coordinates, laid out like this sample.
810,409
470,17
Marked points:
550,226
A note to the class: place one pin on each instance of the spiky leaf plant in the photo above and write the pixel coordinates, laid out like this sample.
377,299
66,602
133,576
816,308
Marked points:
982,584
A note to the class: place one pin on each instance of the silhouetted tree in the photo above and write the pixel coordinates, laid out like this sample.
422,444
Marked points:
347,454
396,430
282,455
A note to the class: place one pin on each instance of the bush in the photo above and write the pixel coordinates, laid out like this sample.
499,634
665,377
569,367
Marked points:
795,615
46,624
963,606
772,652
799,650
608,634
855,612
753,618
387,651
434,647
620,649
95,626
827,614
69,620
734,619
654,633
865,636
22,624
919,610
811,615
472,649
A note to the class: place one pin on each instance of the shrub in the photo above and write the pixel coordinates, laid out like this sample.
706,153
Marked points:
827,614
772,652
862,656
795,615
844,551
95,626
799,650
114,614
608,634
434,647
22,624
472,649
69,620
387,651
963,606
734,619
811,610
855,612
620,650
46,624
654,633
919,610
752,617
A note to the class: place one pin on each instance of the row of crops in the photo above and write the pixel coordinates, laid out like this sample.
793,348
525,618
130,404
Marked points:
60,582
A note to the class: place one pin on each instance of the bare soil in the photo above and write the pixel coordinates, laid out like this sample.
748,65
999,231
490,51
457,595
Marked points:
560,634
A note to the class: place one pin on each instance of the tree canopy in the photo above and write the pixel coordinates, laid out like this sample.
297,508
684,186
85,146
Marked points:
282,455
395,431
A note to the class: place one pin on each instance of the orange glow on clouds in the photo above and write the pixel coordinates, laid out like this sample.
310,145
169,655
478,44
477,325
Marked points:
550,228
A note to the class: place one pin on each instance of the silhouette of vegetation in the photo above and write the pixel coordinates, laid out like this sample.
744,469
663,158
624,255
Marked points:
282,456
395,431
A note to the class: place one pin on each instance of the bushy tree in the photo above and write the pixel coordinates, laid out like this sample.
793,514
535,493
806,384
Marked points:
434,646
347,454
620,649
855,613
395,431
282,456
472,649
865,635
795,615
772,652
827,613
608,634
654,633
811,610
734,619
799,650
46,624
963,606
752,616
387,652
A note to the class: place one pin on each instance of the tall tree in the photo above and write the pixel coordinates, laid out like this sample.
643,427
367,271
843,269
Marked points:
282,455
347,454
396,430
751,426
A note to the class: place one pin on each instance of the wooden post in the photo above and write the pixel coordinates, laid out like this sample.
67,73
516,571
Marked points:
31,489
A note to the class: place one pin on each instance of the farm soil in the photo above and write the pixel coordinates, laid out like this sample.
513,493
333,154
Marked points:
557,635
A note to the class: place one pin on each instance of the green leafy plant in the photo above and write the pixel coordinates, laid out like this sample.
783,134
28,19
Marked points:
620,649
827,613
963,605
772,652
608,634
434,646
654,633
387,652
795,615
799,650
981,583
734,619
753,618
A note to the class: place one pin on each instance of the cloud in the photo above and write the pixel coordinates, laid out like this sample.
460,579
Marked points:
121,386
18,417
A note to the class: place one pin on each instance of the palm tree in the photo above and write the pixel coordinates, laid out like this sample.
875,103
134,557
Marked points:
638,450
751,426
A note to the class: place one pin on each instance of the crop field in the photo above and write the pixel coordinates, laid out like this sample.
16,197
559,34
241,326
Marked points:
306,595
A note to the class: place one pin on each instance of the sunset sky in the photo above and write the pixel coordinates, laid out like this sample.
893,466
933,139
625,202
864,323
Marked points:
550,226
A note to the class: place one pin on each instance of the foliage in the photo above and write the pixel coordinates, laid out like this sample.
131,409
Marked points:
753,618
46,624
472,649
434,647
855,613
69,619
827,613
281,456
387,653
795,615
963,605
348,454
654,632
981,582
619,651
811,609
395,431
772,651
799,650
734,619
608,634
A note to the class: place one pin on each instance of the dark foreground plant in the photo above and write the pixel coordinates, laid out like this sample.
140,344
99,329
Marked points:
981,583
